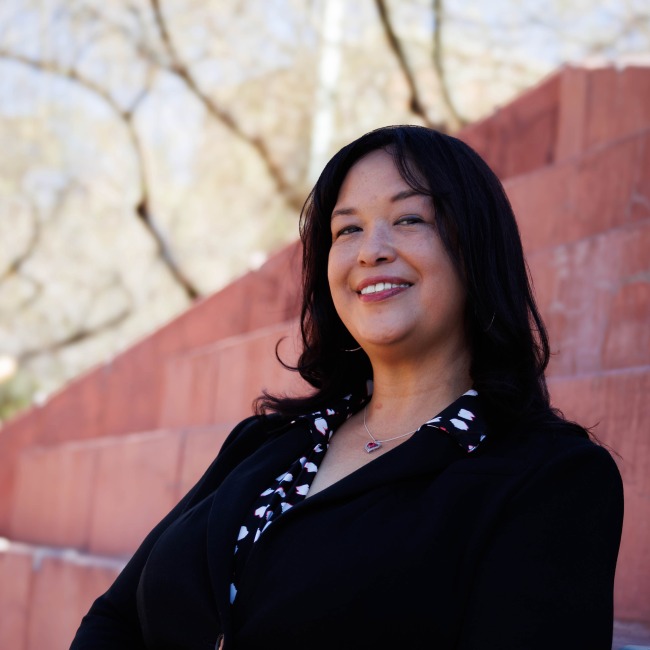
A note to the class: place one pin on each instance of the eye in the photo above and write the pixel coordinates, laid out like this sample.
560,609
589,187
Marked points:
409,220
347,230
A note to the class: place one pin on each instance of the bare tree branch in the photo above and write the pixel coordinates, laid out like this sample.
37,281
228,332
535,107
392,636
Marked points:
110,27
143,207
415,103
69,73
37,291
126,116
453,120
17,263
76,337
453,117
83,333
177,67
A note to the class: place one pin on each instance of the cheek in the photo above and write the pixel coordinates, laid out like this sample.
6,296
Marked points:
456,293
450,286
335,270
338,281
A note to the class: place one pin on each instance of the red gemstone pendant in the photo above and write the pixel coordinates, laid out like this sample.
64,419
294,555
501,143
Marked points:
372,446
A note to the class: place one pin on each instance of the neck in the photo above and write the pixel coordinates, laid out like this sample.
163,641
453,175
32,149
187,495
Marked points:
406,396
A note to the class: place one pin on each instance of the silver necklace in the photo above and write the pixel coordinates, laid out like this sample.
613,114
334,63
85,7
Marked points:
374,443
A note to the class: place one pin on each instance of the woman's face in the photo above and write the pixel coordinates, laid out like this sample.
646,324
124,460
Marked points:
391,279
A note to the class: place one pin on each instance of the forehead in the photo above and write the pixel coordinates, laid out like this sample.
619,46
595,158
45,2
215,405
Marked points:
375,173
374,177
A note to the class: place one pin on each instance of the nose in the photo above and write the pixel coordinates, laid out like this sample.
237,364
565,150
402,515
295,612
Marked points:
376,246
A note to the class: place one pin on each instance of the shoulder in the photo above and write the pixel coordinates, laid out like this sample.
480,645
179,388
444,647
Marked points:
535,446
558,460
255,431
245,439
555,486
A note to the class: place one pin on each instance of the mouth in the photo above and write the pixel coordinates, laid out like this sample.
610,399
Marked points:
378,287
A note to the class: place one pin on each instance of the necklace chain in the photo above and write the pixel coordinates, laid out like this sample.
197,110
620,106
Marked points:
375,442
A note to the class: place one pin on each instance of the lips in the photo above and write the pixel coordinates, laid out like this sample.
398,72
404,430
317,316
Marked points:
385,286
382,286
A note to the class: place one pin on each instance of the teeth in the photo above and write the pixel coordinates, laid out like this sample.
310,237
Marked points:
381,286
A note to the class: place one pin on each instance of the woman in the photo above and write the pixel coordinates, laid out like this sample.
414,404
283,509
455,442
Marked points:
425,495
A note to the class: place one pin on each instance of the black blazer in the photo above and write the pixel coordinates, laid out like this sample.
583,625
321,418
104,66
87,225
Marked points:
512,547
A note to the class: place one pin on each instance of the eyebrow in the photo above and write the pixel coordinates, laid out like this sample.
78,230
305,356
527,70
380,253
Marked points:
400,196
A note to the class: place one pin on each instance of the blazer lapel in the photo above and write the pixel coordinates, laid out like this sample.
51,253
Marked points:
232,499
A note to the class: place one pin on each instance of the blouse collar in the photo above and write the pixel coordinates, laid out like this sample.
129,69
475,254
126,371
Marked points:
462,419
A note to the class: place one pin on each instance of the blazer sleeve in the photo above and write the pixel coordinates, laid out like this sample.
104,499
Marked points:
112,621
546,579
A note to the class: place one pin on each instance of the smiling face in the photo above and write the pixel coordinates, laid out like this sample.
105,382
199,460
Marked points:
391,279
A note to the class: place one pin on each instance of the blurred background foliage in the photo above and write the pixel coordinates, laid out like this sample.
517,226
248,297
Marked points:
154,149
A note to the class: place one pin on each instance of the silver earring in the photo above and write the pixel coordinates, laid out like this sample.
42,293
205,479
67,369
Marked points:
352,350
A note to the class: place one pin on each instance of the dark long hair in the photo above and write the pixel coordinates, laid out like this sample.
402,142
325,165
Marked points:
508,341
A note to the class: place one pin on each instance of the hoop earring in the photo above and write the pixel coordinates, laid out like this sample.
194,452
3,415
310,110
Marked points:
352,350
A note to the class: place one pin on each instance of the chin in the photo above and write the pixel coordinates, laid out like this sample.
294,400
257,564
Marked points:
382,339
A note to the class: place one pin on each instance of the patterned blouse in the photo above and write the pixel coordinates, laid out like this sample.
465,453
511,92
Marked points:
459,420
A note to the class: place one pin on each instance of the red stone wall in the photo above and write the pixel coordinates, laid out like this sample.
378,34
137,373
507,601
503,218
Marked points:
585,223
83,478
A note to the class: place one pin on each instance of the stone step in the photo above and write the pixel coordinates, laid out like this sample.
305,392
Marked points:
604,188
219,382
44,593
103,496
594,296
565,115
